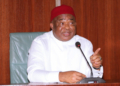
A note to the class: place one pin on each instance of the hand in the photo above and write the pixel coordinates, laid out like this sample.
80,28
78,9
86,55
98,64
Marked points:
71,76
96,59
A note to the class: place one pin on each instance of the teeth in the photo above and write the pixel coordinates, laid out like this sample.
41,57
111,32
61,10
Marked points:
66,34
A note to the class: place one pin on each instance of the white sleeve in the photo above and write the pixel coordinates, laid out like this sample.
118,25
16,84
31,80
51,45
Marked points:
36,65
98,73
89,52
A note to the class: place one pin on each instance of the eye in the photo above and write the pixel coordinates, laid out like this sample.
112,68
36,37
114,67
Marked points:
62,23
72,23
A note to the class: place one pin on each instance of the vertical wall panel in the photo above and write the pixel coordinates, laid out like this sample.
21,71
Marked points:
109,38
20,16
99,21
0,36
116,38
4,41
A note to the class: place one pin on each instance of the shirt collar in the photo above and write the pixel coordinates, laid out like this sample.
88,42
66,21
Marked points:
69,42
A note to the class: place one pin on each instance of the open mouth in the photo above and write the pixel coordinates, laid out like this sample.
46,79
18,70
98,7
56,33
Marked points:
66,33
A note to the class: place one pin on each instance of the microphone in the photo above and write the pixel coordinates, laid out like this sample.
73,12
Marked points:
90,79
78,45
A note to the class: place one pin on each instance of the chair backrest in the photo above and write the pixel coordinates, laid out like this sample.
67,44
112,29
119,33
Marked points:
19,46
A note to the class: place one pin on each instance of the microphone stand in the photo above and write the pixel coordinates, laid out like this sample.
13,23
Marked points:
90,79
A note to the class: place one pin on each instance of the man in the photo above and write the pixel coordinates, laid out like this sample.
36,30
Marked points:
53,56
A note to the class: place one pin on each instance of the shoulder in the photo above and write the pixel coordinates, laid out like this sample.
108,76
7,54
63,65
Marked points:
40,42
82,39
86,45
43,37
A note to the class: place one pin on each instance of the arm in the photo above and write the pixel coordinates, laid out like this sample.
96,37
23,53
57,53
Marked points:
71,76
36,65
96,63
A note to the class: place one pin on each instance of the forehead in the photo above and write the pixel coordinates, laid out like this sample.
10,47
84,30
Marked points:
65,17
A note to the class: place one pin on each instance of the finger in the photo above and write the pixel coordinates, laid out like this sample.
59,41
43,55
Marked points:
97,61
80,74
79,78
97,65
84,76
95,57
97,51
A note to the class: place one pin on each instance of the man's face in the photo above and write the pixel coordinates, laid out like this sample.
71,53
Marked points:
64,27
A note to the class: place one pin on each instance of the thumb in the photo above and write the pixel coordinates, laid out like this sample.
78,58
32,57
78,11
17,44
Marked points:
97,51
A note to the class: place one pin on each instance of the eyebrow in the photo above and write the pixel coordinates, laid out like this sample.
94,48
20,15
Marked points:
64,19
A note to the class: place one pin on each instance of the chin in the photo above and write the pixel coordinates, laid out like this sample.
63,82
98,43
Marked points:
66,39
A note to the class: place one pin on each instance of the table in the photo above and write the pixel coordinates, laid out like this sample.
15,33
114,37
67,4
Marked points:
108,83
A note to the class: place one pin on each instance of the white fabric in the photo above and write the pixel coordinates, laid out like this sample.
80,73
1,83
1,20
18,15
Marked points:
48,56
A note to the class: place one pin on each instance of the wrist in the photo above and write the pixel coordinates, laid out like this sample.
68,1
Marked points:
97,68
61,77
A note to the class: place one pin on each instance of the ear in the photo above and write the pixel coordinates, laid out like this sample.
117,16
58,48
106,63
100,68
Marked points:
51,26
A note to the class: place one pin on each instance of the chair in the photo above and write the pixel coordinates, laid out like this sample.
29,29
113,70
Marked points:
19,46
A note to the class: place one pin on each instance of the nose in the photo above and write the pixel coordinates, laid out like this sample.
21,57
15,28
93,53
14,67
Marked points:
67,26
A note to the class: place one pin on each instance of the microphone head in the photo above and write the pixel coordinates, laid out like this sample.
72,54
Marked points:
77,44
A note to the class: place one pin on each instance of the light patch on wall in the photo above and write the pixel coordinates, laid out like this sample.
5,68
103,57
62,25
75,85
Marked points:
58,2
